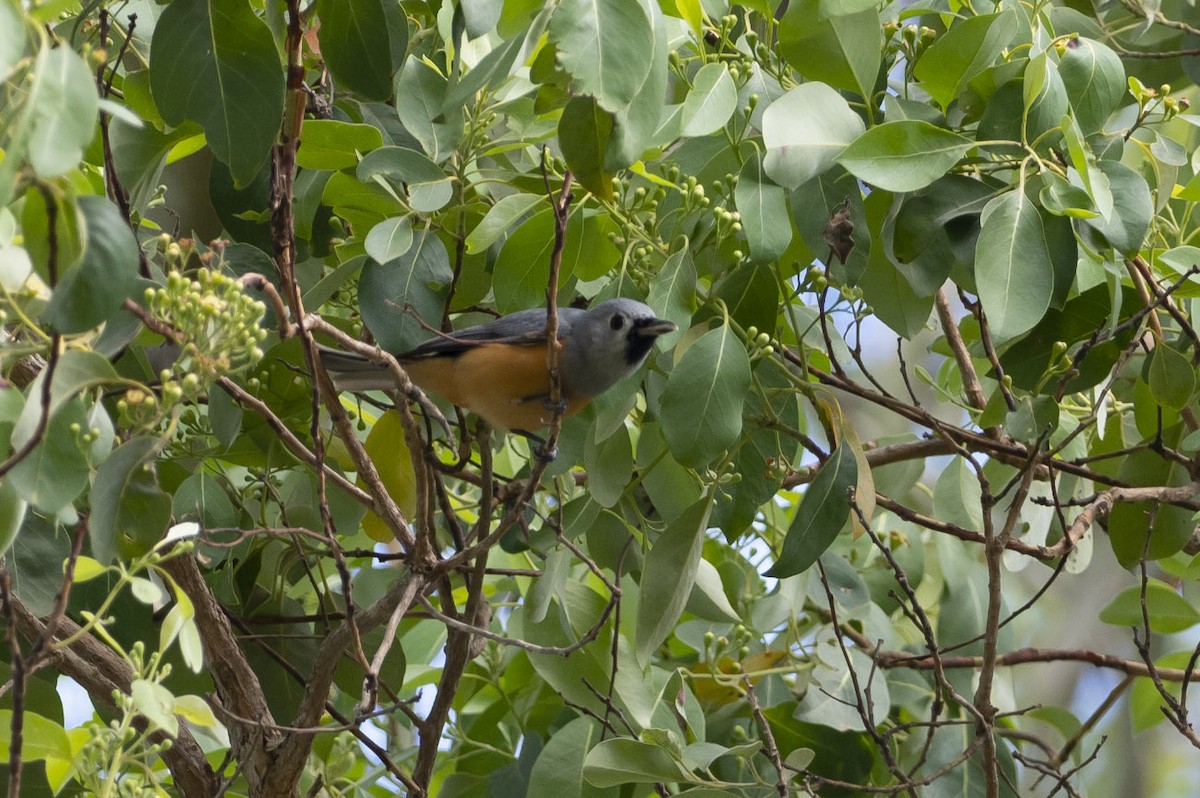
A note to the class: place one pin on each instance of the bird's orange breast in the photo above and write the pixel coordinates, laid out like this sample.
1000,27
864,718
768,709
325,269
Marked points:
506,385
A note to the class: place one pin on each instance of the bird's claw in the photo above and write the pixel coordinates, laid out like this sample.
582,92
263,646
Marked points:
544,453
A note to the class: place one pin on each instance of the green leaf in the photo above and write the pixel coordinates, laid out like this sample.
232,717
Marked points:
62,107
609,465
35,221
1133,208
711,101
15,267
668,484
702,403
708,599
931,232
421,103
839,755
1180,260
499,218
222,71
892,297
751,292
800,759
92,291
1014,273
12,38
549,585
156,704
956,496
389,239
224,415
843,49
1168,151
673,292
607,46
961,53
190,646
12,514
130,512
429,187
1168,611
36,562
1172,377
844,581
78,370
360,203
904,155
831,700
576,612
397,296
356,45
764,212
1064,199
495,66
173,622
1095,81
584,130
42,737
1145,701
146,591
522,268
56,470
1130,524
822,513
966,779
1033,417
1086,172
668,575
330,144
805,131
1076,321
558,770
622,761
969,599
635,127
1044,98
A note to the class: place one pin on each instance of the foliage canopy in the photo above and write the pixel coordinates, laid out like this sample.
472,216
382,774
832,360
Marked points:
906,505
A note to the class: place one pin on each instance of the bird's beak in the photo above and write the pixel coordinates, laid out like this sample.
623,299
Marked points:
652,328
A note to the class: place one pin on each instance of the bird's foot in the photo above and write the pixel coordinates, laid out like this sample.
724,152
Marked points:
538,447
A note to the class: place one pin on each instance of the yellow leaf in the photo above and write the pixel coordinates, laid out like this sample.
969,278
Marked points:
389,452
195,710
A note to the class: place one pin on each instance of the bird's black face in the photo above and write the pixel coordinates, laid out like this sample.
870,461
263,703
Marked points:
643,332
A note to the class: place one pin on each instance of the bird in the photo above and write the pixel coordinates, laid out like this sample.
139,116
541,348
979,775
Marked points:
498,370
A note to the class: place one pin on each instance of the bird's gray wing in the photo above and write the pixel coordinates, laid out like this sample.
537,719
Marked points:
353,372
522,327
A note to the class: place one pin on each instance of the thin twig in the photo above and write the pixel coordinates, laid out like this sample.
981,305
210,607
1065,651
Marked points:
768,738
16,727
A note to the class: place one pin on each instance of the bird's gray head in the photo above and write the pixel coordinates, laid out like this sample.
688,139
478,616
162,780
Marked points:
607,343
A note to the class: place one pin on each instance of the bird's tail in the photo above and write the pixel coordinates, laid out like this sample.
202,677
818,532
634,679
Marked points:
353,372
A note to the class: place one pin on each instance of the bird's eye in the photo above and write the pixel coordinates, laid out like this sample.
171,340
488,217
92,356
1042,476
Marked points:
617,322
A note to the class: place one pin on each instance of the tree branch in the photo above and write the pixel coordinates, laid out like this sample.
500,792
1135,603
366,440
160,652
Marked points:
99,670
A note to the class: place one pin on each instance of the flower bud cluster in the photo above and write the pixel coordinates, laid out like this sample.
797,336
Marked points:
759,344
218,328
